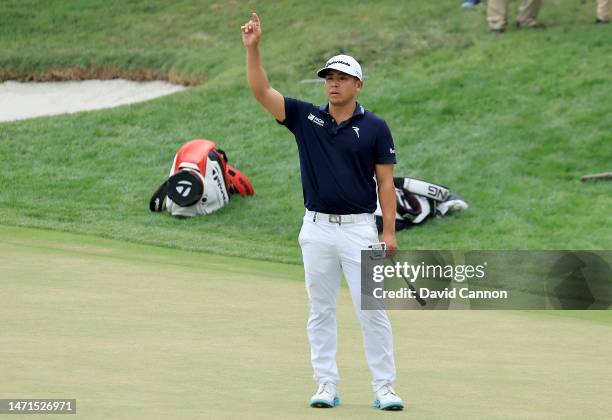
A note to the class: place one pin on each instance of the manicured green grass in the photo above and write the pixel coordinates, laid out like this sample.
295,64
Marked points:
603,317
135,331
511,122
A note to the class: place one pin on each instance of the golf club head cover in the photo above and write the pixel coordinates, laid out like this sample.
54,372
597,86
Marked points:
158,200
239,182
186,187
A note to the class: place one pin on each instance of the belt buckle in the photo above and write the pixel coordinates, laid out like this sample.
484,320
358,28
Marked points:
335,218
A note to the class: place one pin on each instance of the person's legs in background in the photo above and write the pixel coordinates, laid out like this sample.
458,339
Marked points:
603,11
497,15
528,13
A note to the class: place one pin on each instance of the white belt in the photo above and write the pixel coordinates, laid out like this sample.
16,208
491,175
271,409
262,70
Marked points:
340,219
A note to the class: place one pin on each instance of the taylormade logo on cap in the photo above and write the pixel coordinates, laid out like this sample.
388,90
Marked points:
344,63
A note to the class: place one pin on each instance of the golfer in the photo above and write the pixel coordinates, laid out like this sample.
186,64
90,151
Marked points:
345,153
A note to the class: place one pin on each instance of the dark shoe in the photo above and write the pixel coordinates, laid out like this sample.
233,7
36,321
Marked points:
539,26
598,21
498,31
468,4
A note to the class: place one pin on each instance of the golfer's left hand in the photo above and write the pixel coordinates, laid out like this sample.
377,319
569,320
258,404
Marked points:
390,240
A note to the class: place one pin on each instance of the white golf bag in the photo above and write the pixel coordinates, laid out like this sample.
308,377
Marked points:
200,182
419,200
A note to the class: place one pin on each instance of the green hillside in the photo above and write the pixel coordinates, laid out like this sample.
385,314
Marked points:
510,122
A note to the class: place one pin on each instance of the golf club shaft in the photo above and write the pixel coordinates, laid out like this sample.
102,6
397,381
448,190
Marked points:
417,296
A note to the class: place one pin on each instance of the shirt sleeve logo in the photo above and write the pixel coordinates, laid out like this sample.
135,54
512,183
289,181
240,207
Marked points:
318,121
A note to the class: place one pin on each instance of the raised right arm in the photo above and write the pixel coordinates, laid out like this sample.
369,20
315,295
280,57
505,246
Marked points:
269,97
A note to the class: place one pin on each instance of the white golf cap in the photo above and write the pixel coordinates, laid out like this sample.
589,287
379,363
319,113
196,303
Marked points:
344,63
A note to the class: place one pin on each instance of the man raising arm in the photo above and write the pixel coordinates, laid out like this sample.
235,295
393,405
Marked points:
341,147
274,102
269,97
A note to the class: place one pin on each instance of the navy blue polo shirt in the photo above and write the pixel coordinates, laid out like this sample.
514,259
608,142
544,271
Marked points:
337,161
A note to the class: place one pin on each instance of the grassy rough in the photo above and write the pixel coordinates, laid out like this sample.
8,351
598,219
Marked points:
511,122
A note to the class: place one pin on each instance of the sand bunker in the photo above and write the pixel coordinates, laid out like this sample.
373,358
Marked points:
28,100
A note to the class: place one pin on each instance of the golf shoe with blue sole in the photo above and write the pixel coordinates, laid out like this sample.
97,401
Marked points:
386,399
326,396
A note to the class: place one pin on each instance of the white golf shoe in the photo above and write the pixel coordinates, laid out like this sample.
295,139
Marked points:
326,396
386,399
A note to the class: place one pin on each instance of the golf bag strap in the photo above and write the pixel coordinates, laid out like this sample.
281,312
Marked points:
408,206
222,153
239,182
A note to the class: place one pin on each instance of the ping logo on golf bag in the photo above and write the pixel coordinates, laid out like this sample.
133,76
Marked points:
428,189
436,193
184,188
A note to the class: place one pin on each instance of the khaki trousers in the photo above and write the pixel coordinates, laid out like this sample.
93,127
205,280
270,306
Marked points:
603,9
497,13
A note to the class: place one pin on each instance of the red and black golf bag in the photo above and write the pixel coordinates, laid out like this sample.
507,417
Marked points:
200,181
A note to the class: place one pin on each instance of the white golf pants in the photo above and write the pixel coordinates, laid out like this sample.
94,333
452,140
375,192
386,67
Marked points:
330,249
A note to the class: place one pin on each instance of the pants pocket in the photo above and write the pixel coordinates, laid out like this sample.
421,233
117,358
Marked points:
303,233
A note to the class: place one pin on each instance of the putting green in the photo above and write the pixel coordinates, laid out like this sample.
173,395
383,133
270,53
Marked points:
133,331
